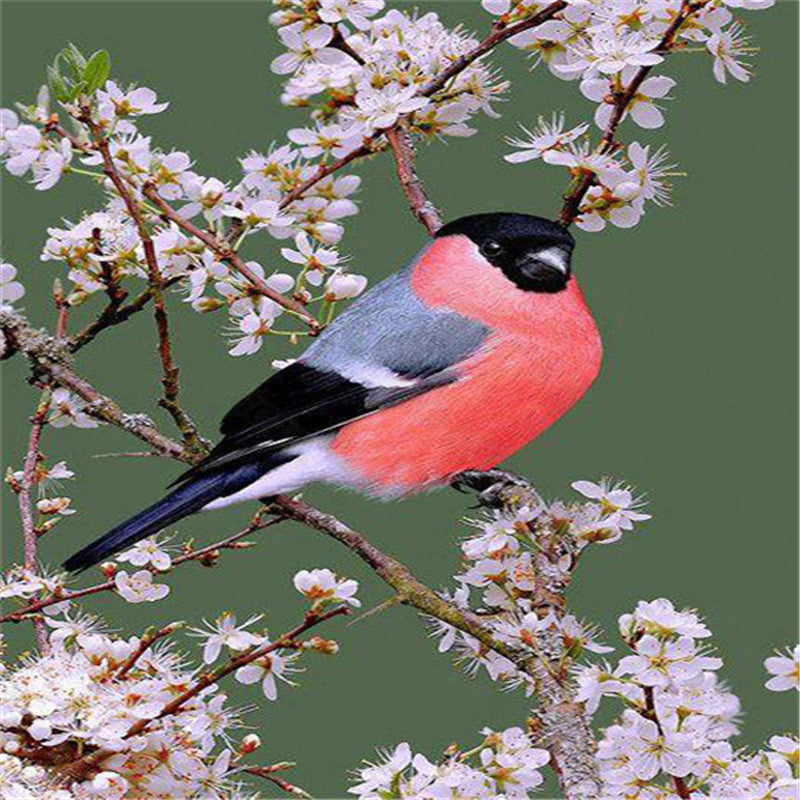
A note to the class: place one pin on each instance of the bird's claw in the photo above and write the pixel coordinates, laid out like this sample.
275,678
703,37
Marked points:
494,487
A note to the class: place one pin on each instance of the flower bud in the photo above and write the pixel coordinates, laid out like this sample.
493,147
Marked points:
320,645
53,505
249,743
109,569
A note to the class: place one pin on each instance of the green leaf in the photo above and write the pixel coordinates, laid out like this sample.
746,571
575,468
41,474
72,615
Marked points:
74,58
96,71
58,88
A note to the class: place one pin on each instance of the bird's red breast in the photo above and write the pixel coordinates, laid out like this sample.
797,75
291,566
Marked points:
542,355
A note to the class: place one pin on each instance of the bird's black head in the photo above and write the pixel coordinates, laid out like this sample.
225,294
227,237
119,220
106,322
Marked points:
534,253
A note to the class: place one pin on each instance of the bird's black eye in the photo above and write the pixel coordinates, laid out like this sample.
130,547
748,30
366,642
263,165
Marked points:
491,248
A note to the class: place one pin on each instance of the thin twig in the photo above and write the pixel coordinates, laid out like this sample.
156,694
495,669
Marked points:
496,37
229,255
25,512
268,773
421,207
203,554
112,315
149,638
134,454
681,789
369,147
48,355
170,373
621,101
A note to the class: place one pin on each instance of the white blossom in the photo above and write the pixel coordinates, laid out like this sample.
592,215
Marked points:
322,585
139,587
10,289
147,551
67,409
547,135
224,632
785,669
133,102
267,669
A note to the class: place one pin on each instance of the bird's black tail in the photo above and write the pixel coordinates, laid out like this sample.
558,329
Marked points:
183,501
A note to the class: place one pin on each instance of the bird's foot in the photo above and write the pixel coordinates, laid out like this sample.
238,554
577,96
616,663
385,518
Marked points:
496,488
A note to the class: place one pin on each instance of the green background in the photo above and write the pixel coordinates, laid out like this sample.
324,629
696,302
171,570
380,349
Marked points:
695,404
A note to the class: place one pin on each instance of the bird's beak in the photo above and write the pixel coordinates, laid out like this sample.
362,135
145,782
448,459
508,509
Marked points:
553,257
549,267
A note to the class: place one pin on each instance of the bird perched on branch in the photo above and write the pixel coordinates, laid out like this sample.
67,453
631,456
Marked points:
451,364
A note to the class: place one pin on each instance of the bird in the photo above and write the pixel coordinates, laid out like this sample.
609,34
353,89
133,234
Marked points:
452,363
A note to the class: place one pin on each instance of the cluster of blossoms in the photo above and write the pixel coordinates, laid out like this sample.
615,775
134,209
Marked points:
359,71
360,74
504,764
103,252
505,562
625,180
678,717
51,504
603,46
671,740
95,691
80,697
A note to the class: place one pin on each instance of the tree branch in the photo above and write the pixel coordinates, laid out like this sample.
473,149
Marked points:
50,357
24,497
149,638
114,314
421,207
227,254
564,729
207,554
621,101
170,373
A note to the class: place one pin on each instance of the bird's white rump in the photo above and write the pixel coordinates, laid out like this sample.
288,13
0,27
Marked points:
314,461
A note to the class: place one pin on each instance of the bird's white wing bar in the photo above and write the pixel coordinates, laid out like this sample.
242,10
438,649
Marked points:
374,376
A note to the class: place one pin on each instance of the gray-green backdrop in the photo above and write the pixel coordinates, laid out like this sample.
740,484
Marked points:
695,404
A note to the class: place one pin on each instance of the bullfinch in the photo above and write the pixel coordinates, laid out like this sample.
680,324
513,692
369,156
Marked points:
452,363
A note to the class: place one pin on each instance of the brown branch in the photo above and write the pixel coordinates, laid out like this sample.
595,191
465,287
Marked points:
53,126
339,43
149,638
268,773
229,255
50,357
681,789
204,554
170,373
565,730
368,148
500,33
79,768
24,497
621,101
114,315
421,207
